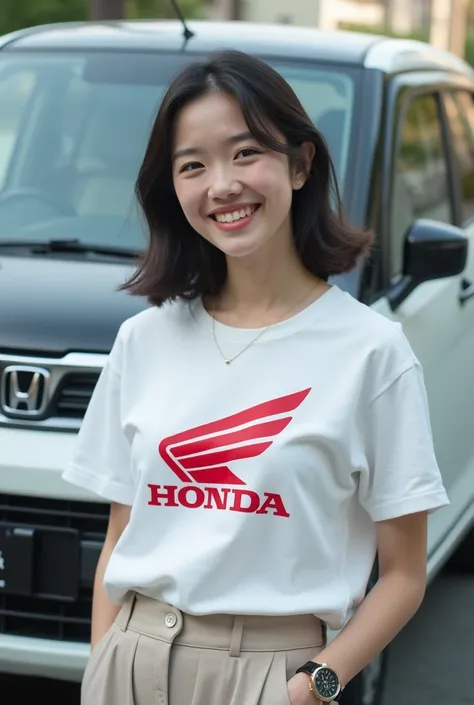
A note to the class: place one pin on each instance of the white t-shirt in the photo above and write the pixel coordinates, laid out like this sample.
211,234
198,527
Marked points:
255,486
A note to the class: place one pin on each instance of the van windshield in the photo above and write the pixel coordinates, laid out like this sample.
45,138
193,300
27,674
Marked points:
73,130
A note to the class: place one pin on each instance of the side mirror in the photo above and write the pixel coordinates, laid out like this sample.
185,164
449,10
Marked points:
433,250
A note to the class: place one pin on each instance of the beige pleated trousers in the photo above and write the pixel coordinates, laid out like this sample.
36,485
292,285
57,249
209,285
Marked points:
154,654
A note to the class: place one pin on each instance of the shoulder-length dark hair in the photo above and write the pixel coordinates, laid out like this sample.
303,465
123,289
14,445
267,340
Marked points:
178,262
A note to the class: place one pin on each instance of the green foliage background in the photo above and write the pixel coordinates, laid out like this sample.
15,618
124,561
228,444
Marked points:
16,14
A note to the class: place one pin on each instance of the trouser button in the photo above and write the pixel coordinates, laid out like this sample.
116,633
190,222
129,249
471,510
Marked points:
170,620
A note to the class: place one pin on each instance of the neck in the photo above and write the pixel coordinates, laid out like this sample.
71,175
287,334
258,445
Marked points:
261,283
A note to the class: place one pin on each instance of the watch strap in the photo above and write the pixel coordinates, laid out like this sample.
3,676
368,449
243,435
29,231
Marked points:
309,667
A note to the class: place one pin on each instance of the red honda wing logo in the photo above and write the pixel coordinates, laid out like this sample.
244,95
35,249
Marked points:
201,454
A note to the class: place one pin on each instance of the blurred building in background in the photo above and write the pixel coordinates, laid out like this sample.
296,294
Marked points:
405,16
443,22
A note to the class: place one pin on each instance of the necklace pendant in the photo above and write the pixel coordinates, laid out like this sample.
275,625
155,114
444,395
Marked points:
227,362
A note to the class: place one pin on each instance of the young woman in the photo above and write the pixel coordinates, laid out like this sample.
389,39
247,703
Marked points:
259,433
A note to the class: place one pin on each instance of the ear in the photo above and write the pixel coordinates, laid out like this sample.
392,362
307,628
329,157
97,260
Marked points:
306,157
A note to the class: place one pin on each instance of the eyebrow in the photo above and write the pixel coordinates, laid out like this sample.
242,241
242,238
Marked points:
191,151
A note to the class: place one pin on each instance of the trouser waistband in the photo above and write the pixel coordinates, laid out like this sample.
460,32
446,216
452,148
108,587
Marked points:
233,633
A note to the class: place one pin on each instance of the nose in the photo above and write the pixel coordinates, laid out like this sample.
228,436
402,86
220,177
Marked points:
223,185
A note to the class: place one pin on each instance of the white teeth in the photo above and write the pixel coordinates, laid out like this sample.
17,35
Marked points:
235,215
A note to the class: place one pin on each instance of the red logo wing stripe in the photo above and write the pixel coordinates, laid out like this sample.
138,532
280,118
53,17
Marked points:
216,476
165,453
225,456
194,444
255,413
257,431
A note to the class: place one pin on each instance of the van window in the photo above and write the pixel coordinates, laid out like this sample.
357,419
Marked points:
420,186
460,111
74,128
16,89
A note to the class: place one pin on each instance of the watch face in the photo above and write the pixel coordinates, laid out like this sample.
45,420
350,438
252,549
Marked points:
326,683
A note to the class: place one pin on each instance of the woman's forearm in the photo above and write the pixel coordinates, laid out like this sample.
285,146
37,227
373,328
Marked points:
380,617
104,611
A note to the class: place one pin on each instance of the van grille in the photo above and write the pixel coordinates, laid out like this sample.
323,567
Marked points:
44,617
66,388
74,395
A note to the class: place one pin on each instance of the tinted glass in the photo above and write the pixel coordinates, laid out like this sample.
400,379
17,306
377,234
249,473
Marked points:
420,187
460,111
73,130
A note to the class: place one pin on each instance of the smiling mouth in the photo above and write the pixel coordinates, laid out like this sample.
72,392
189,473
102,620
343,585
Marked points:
235,215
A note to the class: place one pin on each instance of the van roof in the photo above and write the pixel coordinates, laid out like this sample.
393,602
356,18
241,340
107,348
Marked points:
337,47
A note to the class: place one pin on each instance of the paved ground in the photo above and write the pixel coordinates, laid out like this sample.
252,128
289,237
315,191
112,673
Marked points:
432,661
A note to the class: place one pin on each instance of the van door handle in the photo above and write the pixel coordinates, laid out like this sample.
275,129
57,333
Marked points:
467,291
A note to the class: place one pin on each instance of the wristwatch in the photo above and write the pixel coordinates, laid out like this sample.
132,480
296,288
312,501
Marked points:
324,682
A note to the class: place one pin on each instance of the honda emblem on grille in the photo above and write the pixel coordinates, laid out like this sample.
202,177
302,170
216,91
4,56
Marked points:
24,391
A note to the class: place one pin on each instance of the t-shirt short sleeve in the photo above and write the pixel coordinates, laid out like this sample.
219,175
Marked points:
101,460
402,472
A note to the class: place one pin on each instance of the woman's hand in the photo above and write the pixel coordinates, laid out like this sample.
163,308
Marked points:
299,692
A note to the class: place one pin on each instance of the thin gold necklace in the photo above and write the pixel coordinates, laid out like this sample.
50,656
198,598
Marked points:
228,360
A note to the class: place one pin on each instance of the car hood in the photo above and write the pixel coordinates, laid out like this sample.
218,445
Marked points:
53,305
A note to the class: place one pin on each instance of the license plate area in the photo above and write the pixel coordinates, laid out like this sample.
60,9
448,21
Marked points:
39,561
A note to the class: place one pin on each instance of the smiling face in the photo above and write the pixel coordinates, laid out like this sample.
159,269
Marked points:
234,192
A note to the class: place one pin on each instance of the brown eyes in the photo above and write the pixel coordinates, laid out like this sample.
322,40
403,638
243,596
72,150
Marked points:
244,153
190,166
248,152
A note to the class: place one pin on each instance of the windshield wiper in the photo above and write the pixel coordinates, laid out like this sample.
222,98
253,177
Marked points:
69,245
